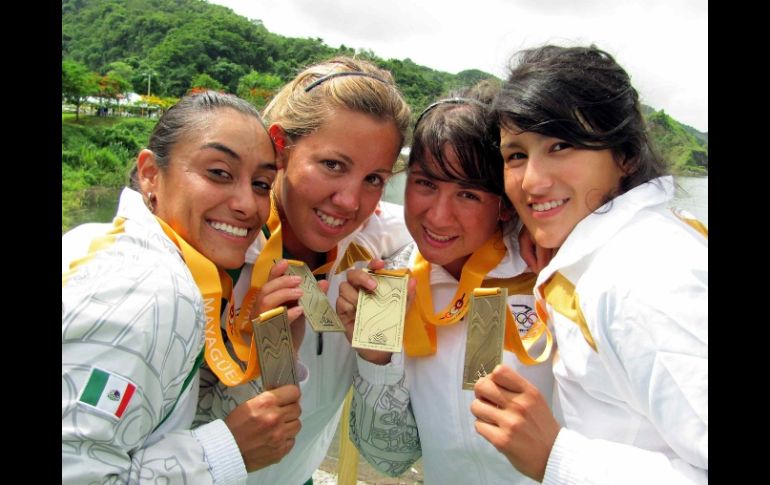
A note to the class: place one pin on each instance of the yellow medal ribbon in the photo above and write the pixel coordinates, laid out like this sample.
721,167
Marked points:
209,280
324,268
97,244
240,326
513,342
419,328
273,251
239,329
421,322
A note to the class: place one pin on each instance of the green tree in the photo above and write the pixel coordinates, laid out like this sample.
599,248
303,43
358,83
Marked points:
146,74
678,146
470,77
157,102
77,82
257,88
203,81
228,73
124,72
112,86
169,42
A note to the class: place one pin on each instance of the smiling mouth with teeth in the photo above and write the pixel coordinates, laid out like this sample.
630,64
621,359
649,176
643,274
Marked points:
229,230
329,220
551,204
435,236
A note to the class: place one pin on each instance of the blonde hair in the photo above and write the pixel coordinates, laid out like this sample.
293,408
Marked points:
301,109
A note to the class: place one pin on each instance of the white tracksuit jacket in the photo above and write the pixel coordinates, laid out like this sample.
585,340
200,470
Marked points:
134,311
635,410
382,425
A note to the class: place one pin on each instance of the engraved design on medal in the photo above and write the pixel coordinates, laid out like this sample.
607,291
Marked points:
486,331
380,315
274,349
317,309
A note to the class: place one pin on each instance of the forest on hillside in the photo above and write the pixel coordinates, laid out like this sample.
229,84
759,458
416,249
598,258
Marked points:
162,49
161,46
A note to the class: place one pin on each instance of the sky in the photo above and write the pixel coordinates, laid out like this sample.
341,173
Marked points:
663,44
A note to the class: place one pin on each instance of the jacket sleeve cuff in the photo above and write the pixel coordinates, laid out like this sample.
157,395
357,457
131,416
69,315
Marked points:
381,375
577,459
222,453
565,455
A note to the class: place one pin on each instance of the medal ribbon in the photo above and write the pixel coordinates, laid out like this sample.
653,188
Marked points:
419,328
239,329
273,251
209,280
514,343
421,322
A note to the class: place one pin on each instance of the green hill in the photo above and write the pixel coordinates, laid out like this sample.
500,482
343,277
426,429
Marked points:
703,138
180,39
684,147
165,46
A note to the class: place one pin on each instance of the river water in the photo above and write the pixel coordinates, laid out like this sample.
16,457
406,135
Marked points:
692,194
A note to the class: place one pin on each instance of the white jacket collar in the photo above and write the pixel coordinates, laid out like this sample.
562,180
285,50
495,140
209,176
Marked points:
512,264
132,208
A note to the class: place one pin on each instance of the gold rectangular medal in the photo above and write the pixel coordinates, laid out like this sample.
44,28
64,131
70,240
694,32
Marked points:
317,309
380,314
486,333
274,348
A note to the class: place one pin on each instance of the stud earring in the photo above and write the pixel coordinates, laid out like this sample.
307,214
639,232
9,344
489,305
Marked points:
151,201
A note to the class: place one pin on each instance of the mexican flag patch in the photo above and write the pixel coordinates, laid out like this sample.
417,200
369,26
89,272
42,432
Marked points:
107,392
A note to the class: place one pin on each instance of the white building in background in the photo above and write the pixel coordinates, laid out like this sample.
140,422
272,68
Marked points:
126,100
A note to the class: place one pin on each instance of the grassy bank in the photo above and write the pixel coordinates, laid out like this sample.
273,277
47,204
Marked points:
97,151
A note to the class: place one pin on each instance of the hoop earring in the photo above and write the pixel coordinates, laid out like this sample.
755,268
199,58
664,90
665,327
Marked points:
151,201
504,214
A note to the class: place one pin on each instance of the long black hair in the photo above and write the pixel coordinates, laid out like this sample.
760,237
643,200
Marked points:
583,96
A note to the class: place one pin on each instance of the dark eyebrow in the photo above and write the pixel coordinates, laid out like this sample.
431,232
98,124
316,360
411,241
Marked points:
229,151
222,148
463,184
468,186
510,145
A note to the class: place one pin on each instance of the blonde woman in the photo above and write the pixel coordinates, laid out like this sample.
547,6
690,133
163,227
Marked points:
338,128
